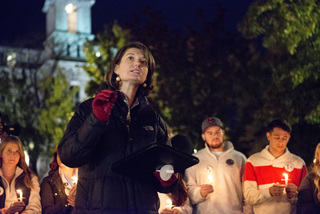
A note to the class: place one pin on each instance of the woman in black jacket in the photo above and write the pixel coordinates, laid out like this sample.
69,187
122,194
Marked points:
113,125
58,189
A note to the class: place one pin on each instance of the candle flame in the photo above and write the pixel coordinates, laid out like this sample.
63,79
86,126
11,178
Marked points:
20,194
74,179
286,178
169,202
210,178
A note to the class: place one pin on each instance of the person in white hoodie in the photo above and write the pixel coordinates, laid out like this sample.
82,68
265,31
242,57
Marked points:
19,186
215,183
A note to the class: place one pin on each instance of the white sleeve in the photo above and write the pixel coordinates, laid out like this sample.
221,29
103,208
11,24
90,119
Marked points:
186,208
34,205
253,195
193,187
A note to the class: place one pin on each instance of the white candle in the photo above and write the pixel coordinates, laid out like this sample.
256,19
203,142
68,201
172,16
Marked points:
210,179
286,178
20,194
74,179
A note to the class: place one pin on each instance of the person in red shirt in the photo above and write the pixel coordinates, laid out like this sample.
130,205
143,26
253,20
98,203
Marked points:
272,176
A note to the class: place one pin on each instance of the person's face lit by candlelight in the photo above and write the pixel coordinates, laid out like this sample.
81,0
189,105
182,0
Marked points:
213,136
278,140
10,155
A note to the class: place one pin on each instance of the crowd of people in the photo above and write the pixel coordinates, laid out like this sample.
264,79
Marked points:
118,122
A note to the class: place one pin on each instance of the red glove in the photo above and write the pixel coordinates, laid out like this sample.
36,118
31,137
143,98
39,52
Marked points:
167,183
103,103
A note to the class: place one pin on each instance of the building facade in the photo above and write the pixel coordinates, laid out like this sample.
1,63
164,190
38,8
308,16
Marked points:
68,27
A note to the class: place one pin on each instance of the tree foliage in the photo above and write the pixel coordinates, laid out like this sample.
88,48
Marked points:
201,73
57,106
289,33
246,81
40,102
283,24
100,52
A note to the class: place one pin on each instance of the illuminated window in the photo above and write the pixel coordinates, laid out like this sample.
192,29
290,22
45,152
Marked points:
71,10
11,59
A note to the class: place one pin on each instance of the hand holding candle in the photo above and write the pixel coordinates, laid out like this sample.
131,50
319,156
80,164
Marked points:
291,190
15,207
169,208
276,189
206,189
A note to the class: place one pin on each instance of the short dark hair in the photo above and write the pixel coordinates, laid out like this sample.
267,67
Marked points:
110,76
279,123
183,143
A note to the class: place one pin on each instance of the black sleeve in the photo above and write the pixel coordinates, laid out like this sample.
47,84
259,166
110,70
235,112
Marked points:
81,136
307,203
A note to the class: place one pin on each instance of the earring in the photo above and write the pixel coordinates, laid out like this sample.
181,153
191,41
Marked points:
118,78
144,85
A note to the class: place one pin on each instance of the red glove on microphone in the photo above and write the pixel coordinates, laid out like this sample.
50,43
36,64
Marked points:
167,183
102,104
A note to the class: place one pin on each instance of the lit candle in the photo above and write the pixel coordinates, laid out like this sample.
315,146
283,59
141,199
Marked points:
20,195
74,179
286,178
210,179
169,202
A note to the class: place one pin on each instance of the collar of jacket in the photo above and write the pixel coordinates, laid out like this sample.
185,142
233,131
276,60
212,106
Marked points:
143,101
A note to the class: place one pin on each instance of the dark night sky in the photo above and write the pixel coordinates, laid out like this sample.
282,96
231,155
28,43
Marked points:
21,19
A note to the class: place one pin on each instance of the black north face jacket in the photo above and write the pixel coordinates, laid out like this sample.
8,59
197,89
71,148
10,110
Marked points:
94,146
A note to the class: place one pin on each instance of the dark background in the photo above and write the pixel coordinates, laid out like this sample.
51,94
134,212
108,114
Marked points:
23,20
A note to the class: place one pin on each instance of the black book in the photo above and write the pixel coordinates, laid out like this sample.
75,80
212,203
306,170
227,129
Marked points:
142,164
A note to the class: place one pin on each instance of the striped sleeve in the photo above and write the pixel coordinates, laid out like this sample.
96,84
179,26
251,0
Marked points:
253,194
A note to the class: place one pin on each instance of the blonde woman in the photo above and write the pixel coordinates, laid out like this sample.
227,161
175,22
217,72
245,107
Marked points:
16,175
309,190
